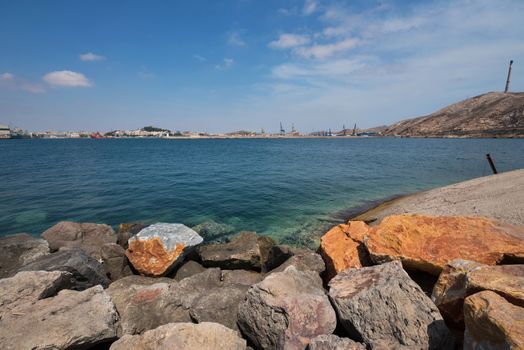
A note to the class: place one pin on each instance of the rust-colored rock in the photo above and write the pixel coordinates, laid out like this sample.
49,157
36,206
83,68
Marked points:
342,247
492,322
427,243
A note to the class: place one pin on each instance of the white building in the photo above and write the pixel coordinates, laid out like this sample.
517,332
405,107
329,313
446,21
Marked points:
5,132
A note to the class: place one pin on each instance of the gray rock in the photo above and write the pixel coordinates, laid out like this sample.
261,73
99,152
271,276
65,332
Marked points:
244,251
183,336
158,248
30,286
244,277
333,342
69,320
86,271
18,250
381,304
303,260
219,305
126,282
115,261
190,268
211,230
278,254
285,310
87,236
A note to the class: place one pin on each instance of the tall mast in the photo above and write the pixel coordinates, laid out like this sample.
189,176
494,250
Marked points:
509,76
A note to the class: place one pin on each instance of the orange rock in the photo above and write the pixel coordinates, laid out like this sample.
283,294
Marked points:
427,243
342,248
492,323
150,257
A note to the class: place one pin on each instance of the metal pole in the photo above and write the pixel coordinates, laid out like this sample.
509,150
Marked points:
491,164
509,76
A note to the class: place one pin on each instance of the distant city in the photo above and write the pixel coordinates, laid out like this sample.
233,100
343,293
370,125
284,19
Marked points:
7,132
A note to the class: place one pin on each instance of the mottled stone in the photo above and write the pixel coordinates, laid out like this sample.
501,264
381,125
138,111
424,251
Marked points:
244,251
212,230
244,277
115,261
303,260
286,310
381,304
188,269
183,336
126,231
158,248
30,286
86,271
505,280
69,320
87,236
427,243
333,342
492,323
18,250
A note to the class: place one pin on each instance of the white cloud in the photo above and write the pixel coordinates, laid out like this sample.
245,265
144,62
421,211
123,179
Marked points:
199,58
32,88
286,41
234,39
91,57
335,69
67,78
323,51
226,64
310,6
6,77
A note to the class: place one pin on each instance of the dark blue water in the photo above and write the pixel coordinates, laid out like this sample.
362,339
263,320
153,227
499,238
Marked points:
291,189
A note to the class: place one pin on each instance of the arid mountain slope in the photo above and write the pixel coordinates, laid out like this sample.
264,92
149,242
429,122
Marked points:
494,114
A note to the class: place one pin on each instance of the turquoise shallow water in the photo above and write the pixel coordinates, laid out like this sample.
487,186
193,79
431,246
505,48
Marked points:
291,189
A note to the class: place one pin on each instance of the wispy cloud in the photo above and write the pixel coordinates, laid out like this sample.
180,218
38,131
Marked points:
286,41
34,88
323,51
225,64
91,57
199,58
67,78
145,73
6,77
234,39
310,6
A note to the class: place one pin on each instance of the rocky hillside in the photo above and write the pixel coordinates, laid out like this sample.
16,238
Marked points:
494,114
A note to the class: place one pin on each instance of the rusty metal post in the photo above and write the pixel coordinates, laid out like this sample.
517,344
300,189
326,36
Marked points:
509,76
491,164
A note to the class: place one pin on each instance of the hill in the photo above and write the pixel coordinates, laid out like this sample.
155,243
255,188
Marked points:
494,114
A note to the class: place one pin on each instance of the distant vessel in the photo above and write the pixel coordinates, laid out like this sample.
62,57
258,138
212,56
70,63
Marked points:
20,134
96,135
5,132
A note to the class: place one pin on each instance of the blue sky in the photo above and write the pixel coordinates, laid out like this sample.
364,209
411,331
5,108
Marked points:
249,64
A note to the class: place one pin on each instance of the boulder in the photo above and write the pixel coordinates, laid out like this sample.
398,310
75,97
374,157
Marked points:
244,251
212,230
461,278
333,342
492,322
382,304
219,305
86,271
158,248
286,310
30,286
87,236
126,231
243,277
303,260
342,248
188,269
18,250
115,261
427,243
128,281
68,320
183,336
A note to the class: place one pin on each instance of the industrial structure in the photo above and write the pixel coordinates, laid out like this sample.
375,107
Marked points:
5,132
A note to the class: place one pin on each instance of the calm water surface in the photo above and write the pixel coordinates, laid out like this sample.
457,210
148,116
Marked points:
291,189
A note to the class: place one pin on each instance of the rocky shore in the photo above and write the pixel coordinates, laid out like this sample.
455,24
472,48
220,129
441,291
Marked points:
406,281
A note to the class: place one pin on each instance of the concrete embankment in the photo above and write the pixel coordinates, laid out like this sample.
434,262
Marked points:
498,197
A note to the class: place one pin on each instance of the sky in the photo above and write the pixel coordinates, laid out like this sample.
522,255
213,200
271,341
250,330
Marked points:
219,66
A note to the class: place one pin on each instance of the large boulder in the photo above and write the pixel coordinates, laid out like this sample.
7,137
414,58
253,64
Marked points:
303,260
188,269
30,286
158,248
244,251
69,320
492,322
115,261
18,250
427,243
461,278
333,342
183,336
87,236
243,277
285,310
381,304
126,231
342,247
86,271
